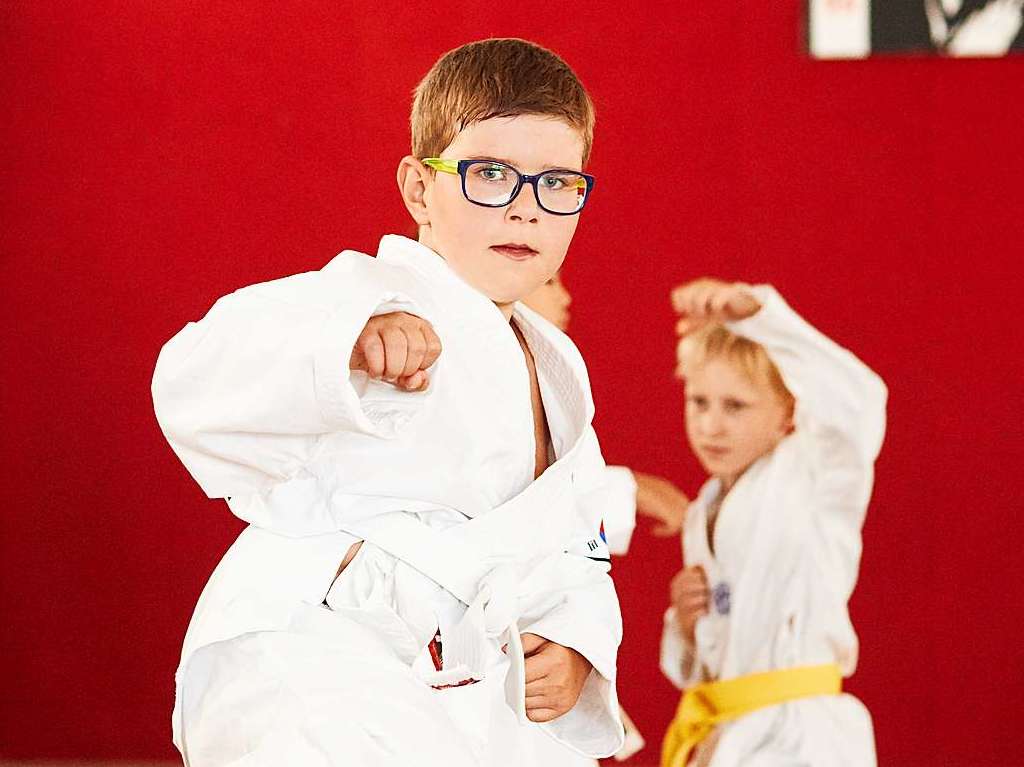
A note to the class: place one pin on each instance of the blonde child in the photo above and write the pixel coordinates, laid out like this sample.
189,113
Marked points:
758,636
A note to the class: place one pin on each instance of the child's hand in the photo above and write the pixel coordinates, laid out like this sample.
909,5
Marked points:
691,598
710,300
397,347
554,678
660,499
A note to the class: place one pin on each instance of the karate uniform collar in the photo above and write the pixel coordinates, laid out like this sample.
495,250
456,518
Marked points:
409,254
563,376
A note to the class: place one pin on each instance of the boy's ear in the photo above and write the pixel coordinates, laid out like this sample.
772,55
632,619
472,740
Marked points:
413,177
789,424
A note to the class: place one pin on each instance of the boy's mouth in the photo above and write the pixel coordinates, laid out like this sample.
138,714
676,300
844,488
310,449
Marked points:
515,251
715,451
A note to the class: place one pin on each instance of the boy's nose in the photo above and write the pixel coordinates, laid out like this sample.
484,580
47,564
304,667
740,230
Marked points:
524,207
712,423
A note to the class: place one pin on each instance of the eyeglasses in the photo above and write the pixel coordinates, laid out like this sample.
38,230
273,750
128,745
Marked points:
495,184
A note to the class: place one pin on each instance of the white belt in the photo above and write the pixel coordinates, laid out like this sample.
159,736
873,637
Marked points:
488,563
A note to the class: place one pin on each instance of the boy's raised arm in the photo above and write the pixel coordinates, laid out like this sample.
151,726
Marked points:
841,407
244,394
833,389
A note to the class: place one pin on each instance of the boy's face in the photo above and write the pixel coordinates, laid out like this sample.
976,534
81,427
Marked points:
505,253
730,420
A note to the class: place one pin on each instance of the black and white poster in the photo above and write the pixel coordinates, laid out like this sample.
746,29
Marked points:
853,29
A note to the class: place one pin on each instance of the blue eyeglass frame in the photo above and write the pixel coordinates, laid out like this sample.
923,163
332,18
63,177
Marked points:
460,166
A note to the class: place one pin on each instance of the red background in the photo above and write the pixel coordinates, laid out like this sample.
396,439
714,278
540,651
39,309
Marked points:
161,154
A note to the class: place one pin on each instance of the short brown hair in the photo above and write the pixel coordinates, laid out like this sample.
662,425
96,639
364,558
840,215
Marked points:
500,77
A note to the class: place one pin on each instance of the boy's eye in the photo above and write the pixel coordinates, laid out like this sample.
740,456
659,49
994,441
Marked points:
492,173
734,405
556,182
698,401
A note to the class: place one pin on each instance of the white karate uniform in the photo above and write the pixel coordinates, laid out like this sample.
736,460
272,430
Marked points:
283,664
787,547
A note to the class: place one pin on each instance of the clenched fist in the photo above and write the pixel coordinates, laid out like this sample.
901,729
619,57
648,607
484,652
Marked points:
397,348
710,300
691,598
555,676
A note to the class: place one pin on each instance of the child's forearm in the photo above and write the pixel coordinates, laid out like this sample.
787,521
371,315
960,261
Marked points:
678,661
586,619
833,388
243,394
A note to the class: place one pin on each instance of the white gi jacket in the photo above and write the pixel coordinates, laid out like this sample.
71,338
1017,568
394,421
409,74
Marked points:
786,553
258,402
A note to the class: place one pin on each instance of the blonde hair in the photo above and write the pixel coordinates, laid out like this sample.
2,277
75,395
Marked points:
500,77
718,342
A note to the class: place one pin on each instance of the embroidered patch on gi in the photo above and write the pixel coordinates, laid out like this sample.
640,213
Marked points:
721,596
595,548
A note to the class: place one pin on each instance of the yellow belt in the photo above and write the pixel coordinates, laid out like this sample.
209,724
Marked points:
711,703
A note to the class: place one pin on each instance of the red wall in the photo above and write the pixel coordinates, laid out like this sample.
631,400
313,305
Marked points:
154,159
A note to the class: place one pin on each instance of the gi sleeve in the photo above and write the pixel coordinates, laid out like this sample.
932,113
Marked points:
836,393
840,425
586,617
244,395
614,503
678,661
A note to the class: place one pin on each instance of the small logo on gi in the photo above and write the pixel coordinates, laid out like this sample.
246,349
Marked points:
721,596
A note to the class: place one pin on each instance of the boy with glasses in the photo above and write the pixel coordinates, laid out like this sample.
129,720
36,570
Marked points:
417,584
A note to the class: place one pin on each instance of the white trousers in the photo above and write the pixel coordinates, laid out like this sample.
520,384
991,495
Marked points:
330,692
